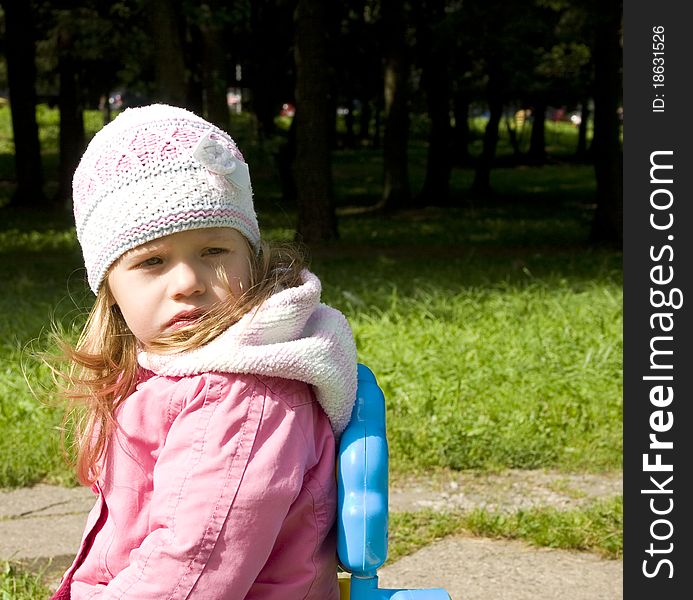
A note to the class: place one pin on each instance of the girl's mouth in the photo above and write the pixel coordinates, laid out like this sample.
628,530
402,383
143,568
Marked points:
183,319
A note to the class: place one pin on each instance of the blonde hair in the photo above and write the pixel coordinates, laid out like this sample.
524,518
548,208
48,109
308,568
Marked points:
100,371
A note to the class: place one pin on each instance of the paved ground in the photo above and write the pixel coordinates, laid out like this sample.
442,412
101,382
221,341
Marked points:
42,526
481,569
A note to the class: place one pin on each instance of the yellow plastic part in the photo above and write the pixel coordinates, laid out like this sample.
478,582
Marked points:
344,580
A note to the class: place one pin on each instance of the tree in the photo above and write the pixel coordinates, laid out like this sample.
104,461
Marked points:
581,149
537,139
507,42
355,58
211,17
496,37
169,62
396,191
314,121
269,61
565,68
434,42
607,225
21,75
81,49
72,139
494,90
461,134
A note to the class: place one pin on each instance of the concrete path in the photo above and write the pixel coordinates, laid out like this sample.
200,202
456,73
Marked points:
482,569
42,521
41,527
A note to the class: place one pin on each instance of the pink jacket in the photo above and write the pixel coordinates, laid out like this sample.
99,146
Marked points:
220,479
217,486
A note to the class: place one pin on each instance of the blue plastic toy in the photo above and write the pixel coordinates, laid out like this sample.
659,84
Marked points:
362,492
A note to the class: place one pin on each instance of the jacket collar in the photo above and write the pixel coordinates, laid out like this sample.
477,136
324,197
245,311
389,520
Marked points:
291,335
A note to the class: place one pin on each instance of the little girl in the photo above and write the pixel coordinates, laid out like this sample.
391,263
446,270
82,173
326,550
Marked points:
215,382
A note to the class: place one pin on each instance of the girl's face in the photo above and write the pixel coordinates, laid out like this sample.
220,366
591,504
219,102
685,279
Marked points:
163,285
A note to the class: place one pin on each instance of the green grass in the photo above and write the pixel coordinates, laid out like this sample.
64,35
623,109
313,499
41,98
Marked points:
560,137
597,528
480,372
19,584
48,120
33,259
490,356
495,334
494,329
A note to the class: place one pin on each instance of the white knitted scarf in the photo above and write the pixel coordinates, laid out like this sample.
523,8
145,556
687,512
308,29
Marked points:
291,335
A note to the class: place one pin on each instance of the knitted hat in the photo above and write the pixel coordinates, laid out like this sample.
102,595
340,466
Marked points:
154,171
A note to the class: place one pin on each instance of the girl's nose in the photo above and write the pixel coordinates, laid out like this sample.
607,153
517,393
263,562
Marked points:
186,280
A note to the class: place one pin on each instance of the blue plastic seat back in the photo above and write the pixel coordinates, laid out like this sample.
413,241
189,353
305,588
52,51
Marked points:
362,498
362,482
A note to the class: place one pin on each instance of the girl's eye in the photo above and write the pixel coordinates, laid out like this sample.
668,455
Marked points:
213,251
150,262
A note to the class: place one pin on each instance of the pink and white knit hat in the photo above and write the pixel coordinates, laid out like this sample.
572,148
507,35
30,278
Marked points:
154,171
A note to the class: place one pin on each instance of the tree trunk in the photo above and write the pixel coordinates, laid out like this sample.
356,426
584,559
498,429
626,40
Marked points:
21,76
461,132
482,175
512,136
215,105
607,225
169,63
581,150
270,69
105,108
312,169
377,125
72,136
396,191
284,160
537,139
435,81
365,121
